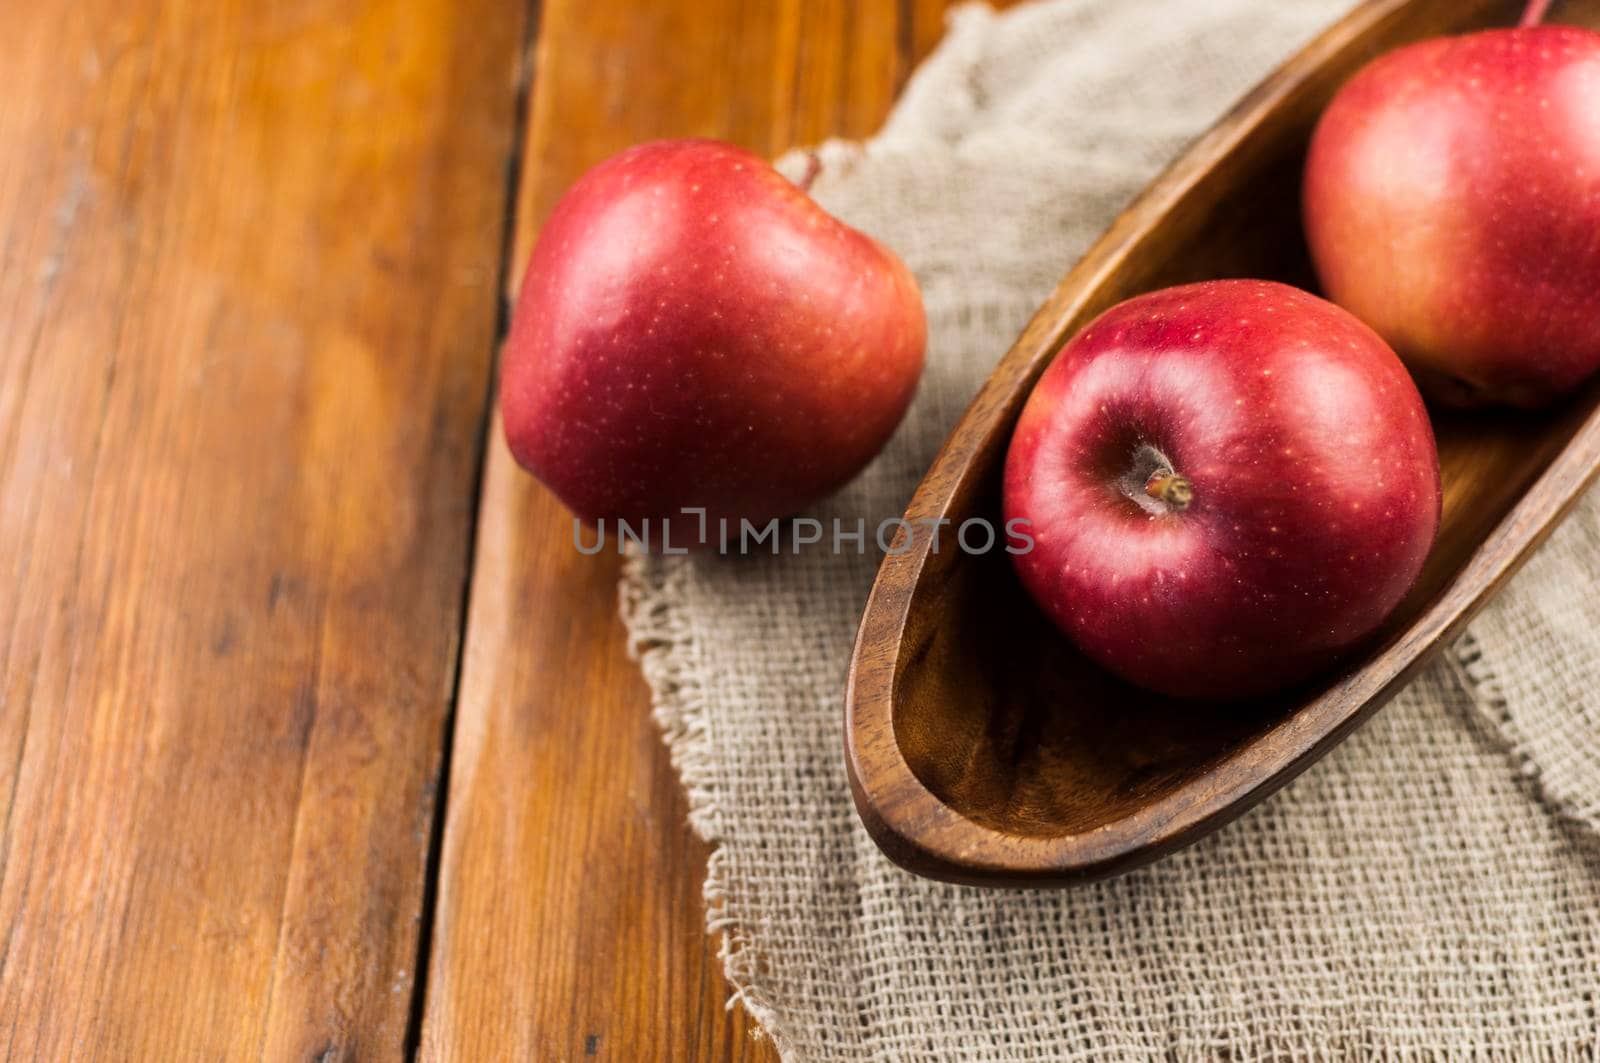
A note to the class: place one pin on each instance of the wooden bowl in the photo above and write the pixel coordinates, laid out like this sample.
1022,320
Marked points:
983,748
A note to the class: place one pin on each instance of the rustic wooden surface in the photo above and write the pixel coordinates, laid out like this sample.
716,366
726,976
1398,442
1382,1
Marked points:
983,747
250,265
248,290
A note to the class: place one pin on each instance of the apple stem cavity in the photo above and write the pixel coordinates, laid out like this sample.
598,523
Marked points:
1534,13
1167,486
1150,482
813,168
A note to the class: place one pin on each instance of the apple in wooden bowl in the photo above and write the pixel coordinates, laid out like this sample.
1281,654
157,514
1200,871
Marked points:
982,745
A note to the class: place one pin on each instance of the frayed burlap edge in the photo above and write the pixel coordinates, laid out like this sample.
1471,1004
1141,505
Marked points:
661,640
1496,723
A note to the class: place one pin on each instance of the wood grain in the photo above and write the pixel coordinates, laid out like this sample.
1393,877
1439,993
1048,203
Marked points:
983,747
569,921
248,267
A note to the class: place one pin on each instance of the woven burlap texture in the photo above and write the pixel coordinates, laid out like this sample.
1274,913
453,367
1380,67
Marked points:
1432,887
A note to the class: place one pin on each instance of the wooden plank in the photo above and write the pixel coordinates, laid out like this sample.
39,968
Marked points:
569,920
249,260
768,76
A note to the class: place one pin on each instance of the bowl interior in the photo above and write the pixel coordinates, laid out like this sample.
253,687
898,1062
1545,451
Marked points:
997,714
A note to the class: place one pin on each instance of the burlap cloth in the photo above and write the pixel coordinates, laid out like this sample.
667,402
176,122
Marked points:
1431,888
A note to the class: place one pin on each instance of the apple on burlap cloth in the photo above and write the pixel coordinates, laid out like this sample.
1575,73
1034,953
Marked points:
1433,884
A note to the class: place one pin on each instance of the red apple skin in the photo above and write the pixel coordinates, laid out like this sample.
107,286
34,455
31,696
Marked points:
1452,202
1315,488
694,331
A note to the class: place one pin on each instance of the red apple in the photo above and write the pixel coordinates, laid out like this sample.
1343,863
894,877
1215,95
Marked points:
1228,484
694,331
1452,202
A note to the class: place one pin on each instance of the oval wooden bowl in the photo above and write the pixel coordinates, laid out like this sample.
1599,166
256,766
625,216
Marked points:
982,747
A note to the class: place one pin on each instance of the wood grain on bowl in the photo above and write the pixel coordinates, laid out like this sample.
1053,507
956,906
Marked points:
982,746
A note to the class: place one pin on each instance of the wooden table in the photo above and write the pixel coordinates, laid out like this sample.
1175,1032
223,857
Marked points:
319,740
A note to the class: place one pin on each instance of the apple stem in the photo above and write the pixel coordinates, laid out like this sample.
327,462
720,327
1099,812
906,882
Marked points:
1171,488
1534,13
813,168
